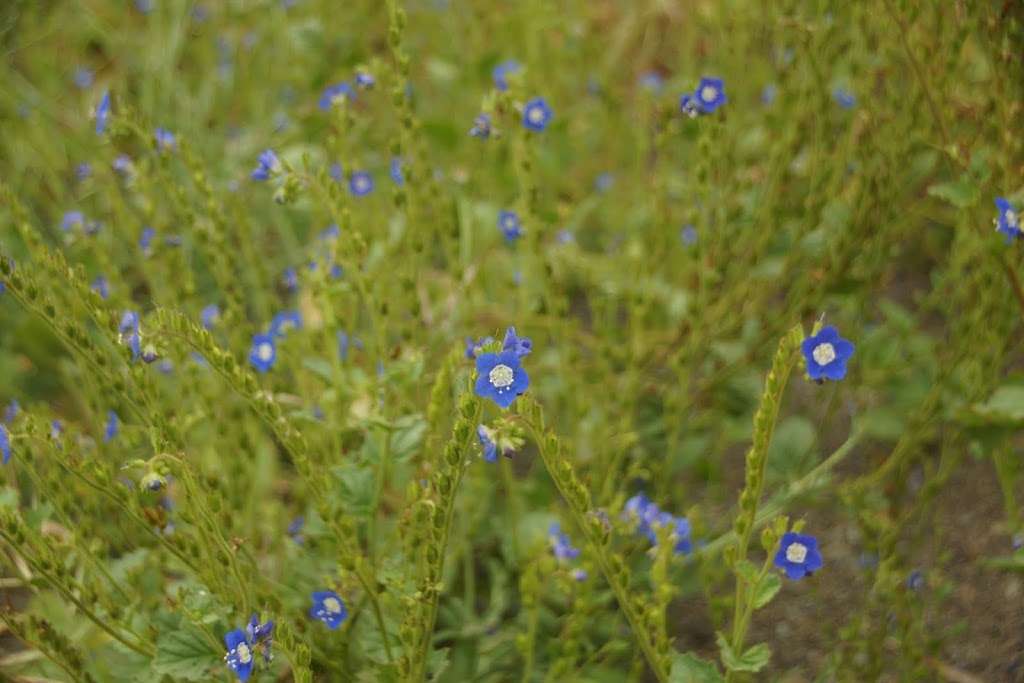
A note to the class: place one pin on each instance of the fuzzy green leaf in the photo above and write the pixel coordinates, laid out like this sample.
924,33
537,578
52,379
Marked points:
689,668
767,589
184,653
753,660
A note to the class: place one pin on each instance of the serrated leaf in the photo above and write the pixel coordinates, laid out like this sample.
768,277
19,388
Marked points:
747,571
184,653
357,489
766,589
753,660
689,668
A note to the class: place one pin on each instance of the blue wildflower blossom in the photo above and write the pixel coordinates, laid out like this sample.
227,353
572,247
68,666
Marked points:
537,114
798,555
102,113
365,80
844,98
826,354
284,322
649,518
1008,221
11,411
72,220
481,127
508,223
112,427
565,236
263,352
239,656
101,286
336,271
915,581
335,94
165,140
295,529
267,166
604,181
561,546
483,435
688,105
83,77
128,331
210,316
336,172
129,322
331,232
521,346
261,635
123,165
688,235
290,279
146,240
502,71
329,608
768,93
500,377
395,171
710,94
83,170
652,81
360,183
343,344
5,445
474,347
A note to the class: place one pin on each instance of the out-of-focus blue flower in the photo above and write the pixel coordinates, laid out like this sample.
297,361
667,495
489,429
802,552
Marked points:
336,94
83,170
688,235
261,635
768,94
1008,220
11,411
474,347
146,240
826,354
112,427
165,141
688,105
649,518
652,81
360,183
102,113
267,166
844,98
565,236
5,445
239,655
263,352
395,171
331,232
129,322
101,286
210,316
364,80
329,608
604,181
490,449
284,322
915,581
710,94
123,165
500,377
290,279
481,127
337,172
73,220
83,77
295,529
508,223
521,346
537,114
561,546
56,430
502,71
144,6
798,555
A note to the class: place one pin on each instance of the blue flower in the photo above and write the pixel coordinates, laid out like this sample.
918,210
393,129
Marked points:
481,127
688,235
290,279
112,427
129,323
11,411
826,354
844,98
508,222
334,94
915,581
123,165
5,445
284,322
565,236
331,232
165,141
650,518
83,170
798,555
483,435
710,94
561,546
146,240
537,114
268,165
395,171
688,105
72,220
336,271
102,114
295,529
83,77
210,316
261,635
263,352
502,71
101,286
365,80
604,181
56,430
500,377
360,183
1008,221
768,93
329,608
239,656
652,81
521,346
474,347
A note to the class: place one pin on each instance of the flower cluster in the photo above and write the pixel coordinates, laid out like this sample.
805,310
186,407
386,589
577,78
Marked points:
242,646
705,99
649,518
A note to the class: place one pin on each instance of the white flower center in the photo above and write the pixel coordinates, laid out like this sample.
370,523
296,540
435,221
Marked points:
244,654
536,115
332,605
265,352
824,354
708,93
796,552
1011,218
501,376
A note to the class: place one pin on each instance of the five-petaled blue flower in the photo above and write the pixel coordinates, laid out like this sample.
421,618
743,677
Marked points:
483,434
1008,221
263,352
710,94
239,656
481,127
521,346
329,608
165,141
798,555
284,322
112,427
360,183
5,445
537,114
508,222
826,354
268,165
335,94
561,546
502,71
102,114
500,377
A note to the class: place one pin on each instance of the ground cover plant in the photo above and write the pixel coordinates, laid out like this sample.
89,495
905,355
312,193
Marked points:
405,340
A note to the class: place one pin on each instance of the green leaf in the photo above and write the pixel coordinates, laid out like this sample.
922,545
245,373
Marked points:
1005,405
184,653
747,571
766,589
753,660
689,668
960,193
357,489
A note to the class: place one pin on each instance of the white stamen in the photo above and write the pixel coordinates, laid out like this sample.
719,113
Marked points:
244,654
265,352
332,605
501,376
708,93
1011,218
796,552
536,115
824,354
